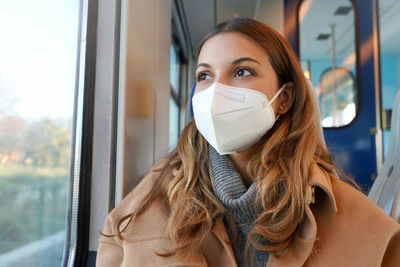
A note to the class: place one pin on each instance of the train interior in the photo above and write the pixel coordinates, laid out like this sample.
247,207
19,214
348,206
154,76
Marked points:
94,92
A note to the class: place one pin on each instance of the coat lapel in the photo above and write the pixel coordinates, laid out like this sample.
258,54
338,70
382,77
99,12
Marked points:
220,232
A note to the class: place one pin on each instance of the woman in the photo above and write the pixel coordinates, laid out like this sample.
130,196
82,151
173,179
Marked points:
251,182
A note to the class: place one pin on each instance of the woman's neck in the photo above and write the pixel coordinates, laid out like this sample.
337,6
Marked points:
240,161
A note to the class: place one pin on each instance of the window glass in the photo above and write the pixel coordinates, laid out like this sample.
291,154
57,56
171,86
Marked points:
173,122
337,97
37,85
389,40
175,75
174,70
328,58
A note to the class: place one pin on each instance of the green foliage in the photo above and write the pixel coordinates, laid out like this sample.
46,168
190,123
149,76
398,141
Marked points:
33,204
40,143
34,164
47,143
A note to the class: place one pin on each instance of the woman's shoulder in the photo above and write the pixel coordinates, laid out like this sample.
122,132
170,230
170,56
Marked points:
351,225
355,204
346,201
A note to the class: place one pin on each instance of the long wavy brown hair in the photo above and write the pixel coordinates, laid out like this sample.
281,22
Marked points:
280,168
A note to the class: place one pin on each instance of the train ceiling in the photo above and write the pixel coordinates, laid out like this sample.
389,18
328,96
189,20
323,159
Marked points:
202,15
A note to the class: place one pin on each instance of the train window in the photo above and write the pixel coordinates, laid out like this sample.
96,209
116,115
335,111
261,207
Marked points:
174,77
328,57
37,87
174,69
337,92
389,41
177,77
173,122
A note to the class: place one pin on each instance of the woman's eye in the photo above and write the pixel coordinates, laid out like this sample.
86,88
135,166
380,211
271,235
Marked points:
243,72
203,76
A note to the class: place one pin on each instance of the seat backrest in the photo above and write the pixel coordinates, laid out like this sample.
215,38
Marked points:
387,184
395,213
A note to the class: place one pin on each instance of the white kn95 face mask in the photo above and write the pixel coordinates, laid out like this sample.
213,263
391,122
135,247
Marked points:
231,118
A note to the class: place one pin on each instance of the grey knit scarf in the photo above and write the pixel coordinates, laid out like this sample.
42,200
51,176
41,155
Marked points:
240,201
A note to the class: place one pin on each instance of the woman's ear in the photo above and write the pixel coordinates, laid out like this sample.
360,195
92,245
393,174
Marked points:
286,98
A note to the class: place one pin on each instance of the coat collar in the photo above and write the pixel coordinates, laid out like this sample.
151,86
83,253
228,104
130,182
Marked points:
320,179
300,249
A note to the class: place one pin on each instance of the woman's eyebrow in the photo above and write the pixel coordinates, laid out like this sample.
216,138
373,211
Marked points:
203,65
240,60
236,61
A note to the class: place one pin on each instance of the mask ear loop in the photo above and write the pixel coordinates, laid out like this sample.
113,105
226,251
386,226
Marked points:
275,96
278,93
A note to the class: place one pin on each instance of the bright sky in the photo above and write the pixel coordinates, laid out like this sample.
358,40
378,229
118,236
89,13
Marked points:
38,56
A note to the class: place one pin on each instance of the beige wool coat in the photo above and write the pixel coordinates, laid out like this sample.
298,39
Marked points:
342,227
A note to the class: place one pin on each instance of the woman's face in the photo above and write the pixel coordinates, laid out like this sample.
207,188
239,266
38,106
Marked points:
236,60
